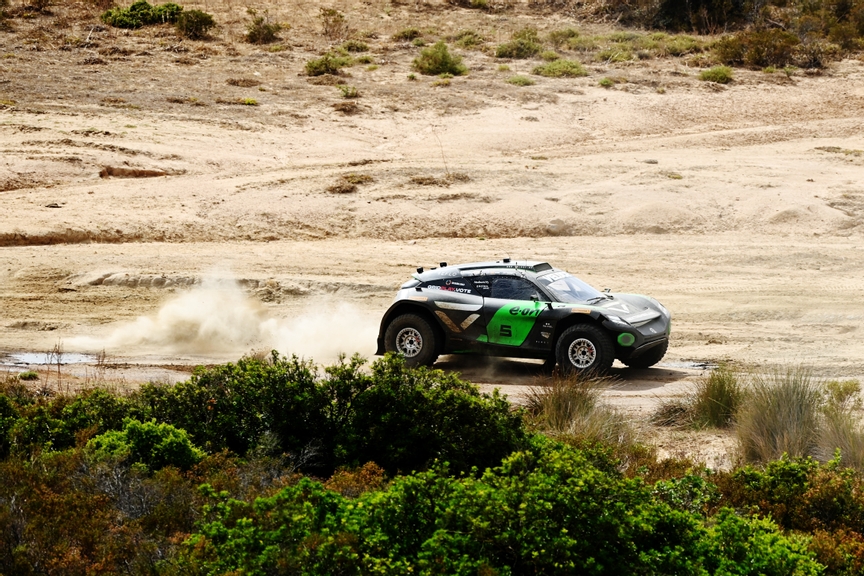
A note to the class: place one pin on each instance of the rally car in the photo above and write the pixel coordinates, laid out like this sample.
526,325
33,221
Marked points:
522,309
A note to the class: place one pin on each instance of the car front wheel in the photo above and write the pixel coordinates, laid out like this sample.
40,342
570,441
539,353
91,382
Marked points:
584,348
413,337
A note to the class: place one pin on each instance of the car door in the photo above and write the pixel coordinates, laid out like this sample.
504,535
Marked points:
511,309
459,308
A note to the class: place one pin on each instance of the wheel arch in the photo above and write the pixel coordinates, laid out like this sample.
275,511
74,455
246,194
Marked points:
574,319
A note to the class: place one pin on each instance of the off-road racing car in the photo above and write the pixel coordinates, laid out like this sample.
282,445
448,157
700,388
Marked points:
522,309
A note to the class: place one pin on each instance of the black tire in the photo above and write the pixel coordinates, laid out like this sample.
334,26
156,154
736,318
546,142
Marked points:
584,348
414,338
649,358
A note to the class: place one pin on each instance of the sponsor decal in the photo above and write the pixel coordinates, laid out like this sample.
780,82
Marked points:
418,298
450,289
454,283
511,323
524,311
580,311
545,335
553,277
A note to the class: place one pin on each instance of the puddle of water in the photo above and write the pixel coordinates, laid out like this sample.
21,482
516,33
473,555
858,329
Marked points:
41,358
689,365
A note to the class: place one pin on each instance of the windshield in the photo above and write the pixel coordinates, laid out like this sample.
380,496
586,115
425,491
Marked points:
567,288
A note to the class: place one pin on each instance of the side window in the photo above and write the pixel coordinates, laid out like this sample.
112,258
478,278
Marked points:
483,285
508,288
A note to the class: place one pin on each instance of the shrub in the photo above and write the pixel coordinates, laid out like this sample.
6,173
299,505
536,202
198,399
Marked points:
757,48
559,38
546,510
328,64
334,26
141,13
437,60
549,55
717,397
519,49
28,375
606,83
153,445
399,418
406,35
261,31
570,406
8,416
781,416
615,53
355,46
520,81
561,69
194,24
348,91
467,39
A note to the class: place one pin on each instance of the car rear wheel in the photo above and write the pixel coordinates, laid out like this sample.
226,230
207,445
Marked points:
648,358
584,348
413,337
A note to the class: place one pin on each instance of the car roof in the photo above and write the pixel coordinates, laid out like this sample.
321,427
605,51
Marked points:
475,268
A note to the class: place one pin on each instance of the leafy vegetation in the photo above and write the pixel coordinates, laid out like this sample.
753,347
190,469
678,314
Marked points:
524,43
261,30
194,24
142,13
419,473
437,60
329,63
560,69
520,81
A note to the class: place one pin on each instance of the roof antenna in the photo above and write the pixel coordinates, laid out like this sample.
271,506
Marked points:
507,259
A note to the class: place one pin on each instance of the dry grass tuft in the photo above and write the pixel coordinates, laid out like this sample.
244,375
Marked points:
781,415
570,406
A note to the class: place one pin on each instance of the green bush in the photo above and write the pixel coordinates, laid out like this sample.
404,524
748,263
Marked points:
153,445
437,60
8,416
194,24
561,69
523,44
329,63
467,39
546,510
758,48
29,375
407,34
355,46
261,31
399,418
142,13
561,37
520,81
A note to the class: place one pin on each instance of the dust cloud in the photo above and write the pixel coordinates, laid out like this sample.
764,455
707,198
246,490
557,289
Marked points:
218,317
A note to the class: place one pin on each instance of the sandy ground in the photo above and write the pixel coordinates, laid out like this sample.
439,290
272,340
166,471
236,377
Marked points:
740,207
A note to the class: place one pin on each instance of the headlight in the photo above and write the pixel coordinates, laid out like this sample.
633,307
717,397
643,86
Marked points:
617,320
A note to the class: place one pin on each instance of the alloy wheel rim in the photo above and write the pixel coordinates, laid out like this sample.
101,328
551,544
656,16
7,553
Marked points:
409,342
582,353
